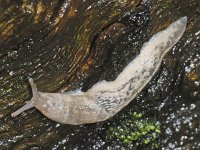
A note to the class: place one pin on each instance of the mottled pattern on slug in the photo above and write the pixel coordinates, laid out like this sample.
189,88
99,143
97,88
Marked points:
105,99
113,99
117,94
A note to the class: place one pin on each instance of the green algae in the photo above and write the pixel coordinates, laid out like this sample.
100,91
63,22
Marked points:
135,131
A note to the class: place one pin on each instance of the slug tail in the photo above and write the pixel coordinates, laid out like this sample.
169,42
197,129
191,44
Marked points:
31,103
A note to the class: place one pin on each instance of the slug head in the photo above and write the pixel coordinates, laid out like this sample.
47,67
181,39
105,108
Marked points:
31,103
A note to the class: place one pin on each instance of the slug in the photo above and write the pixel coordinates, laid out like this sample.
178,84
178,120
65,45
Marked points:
105,99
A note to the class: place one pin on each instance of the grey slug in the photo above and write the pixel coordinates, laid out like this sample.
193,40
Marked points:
105,99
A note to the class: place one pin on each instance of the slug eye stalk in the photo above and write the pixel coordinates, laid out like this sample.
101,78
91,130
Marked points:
29,104
34,89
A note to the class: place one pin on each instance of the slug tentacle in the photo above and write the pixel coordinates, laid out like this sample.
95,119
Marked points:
34,89
31,103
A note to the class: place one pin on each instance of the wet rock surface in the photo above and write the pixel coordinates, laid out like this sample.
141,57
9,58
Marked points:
66,45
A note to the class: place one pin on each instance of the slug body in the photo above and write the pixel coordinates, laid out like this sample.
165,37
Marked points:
105,99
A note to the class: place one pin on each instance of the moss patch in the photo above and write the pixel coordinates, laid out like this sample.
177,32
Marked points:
135,131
